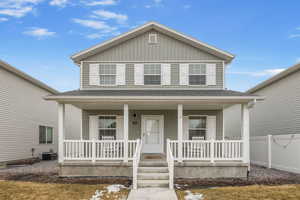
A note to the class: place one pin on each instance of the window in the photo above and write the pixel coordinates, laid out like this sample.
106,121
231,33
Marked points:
197,74
107,73
197,127
152,74
152,38
45,135
107,127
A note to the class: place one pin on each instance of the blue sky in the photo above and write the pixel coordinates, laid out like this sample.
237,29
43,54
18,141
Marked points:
39,36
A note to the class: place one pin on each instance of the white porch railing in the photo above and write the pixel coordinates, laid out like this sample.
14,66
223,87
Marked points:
136,161
170,160
209,150
98,149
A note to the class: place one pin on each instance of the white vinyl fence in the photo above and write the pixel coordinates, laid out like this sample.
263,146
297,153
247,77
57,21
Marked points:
276,151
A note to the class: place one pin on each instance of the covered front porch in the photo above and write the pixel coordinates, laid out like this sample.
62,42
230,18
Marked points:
186,131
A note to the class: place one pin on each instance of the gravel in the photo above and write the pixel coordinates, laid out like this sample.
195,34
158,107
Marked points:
47,171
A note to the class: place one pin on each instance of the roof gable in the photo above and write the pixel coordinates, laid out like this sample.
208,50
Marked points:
145,28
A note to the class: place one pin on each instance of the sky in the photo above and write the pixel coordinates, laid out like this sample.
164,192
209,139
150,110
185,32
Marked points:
39,36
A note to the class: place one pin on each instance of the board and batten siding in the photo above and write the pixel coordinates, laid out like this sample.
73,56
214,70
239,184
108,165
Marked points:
138,49
174,77
22,110
170,121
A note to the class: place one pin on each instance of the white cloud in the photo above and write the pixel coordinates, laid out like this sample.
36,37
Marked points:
99,25
298,60
17,8
16,12
100,3
267,72
95,36
3,19
39,32
120,18
59,3
294,36
155,3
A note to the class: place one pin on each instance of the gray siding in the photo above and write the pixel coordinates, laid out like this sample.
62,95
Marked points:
138,50
22,110
170,121
174,78
280,112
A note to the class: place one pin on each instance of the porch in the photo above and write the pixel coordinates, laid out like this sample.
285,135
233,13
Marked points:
192,132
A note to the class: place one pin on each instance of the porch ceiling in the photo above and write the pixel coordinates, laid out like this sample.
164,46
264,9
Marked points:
149,105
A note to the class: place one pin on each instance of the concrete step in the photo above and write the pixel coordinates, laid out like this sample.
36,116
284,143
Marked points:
153,164
153,170
153,176
153,183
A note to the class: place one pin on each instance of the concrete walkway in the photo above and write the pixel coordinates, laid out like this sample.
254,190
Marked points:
152,194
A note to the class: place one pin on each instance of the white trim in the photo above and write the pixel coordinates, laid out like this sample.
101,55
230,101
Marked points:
180,130
162,134
151,61
81,74
155,38
81,127
125,131
164,98
61,132
155,87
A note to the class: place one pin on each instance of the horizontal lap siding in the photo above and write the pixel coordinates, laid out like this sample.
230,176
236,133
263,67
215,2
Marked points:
138,50
129,77
279,113
22,110
170,119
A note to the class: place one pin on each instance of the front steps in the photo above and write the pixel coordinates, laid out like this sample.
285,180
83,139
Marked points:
154,173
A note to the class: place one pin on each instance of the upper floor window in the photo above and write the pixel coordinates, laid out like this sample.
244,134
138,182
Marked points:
152,38
152,74
197,74
45,135
197,127
107,73
107,128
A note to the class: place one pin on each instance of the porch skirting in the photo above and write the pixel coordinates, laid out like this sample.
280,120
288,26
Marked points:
181,170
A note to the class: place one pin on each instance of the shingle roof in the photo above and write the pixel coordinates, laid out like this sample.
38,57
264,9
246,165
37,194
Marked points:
218,93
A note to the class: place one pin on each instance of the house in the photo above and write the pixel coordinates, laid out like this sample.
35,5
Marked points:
28,123
275,124
152,103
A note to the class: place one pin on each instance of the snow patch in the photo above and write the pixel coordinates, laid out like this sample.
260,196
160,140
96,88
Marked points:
190,196
114,188
97,195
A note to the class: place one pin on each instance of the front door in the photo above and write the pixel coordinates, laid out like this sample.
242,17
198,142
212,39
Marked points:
153,133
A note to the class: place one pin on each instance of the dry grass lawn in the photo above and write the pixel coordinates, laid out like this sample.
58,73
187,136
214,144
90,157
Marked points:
13,190
255,192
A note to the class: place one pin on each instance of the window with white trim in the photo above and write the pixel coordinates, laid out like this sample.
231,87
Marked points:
45,135
107,74
152,74
152,38
197,127
197,74
107,127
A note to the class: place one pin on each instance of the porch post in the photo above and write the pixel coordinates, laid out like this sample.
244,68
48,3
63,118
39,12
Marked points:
179,131
245,133
126,132
61,131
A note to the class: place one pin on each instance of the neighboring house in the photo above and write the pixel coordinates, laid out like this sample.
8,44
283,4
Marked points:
279,117
142,88
28,123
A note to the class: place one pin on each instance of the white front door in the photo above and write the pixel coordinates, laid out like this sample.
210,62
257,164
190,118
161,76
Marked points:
153,133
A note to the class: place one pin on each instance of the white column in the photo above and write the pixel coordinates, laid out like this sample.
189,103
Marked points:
223,125
61,131
126,116
245,133
179,130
